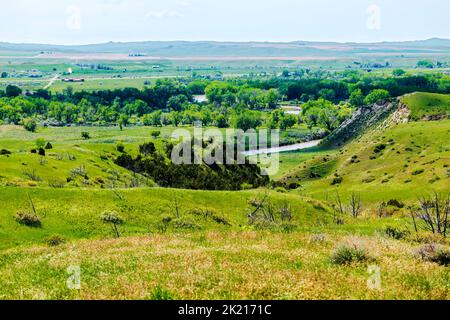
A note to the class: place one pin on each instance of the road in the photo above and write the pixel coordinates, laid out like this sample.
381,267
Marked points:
51,81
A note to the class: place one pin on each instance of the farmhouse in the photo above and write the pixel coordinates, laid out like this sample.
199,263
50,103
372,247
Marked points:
73,80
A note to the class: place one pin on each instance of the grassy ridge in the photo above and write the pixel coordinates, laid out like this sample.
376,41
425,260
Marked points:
414,160
428,105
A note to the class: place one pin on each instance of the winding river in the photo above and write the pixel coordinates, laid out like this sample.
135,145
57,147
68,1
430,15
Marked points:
292,147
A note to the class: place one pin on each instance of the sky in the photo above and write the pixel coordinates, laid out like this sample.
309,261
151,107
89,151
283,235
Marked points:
98,21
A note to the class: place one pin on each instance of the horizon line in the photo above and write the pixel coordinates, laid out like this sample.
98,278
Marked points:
222,41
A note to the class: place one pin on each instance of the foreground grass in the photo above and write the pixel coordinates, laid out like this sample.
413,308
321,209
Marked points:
220,265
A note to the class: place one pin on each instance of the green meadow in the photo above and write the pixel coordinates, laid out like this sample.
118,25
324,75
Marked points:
186,244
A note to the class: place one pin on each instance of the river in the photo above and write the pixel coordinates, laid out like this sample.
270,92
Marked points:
292,147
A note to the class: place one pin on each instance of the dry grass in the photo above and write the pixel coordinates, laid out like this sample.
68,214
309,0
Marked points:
214,265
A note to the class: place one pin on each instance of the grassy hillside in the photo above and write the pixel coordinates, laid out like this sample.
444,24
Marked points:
75,213
402,162
184,244
428,106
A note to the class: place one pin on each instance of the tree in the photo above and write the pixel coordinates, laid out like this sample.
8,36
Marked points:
177,103
425,64
175,118
221,121
40,143
398,72
247,120
29,124
4,75
123,121
13,91
287,121
153,119
356,98
377,96
327,94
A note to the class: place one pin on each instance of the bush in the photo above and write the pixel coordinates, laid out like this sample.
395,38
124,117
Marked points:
41,151
396,203
55,240
48,146
434,253
28,219
337,180
29,124
378,148
156,134
417,172
120,148
85,135
114,220
5,152
396,234
346,255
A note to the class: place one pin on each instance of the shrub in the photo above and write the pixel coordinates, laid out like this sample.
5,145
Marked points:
434,253
346,255
337,180
378,148
55,240
29,124
369,179
5,152
396,234
48,146
417,172
41,151
396,203
112,218
85,135
28,219
120,148
147,148
156,134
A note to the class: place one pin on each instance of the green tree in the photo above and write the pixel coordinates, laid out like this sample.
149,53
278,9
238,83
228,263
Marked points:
123,121
247,120
153,119
425,64
221,121
287,121
175,118
356,98
13,91
29,124
377,96
398,72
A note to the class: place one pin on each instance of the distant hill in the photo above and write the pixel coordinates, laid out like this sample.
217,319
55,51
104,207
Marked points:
210,48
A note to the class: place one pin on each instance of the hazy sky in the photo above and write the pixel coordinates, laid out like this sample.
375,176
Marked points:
93,21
